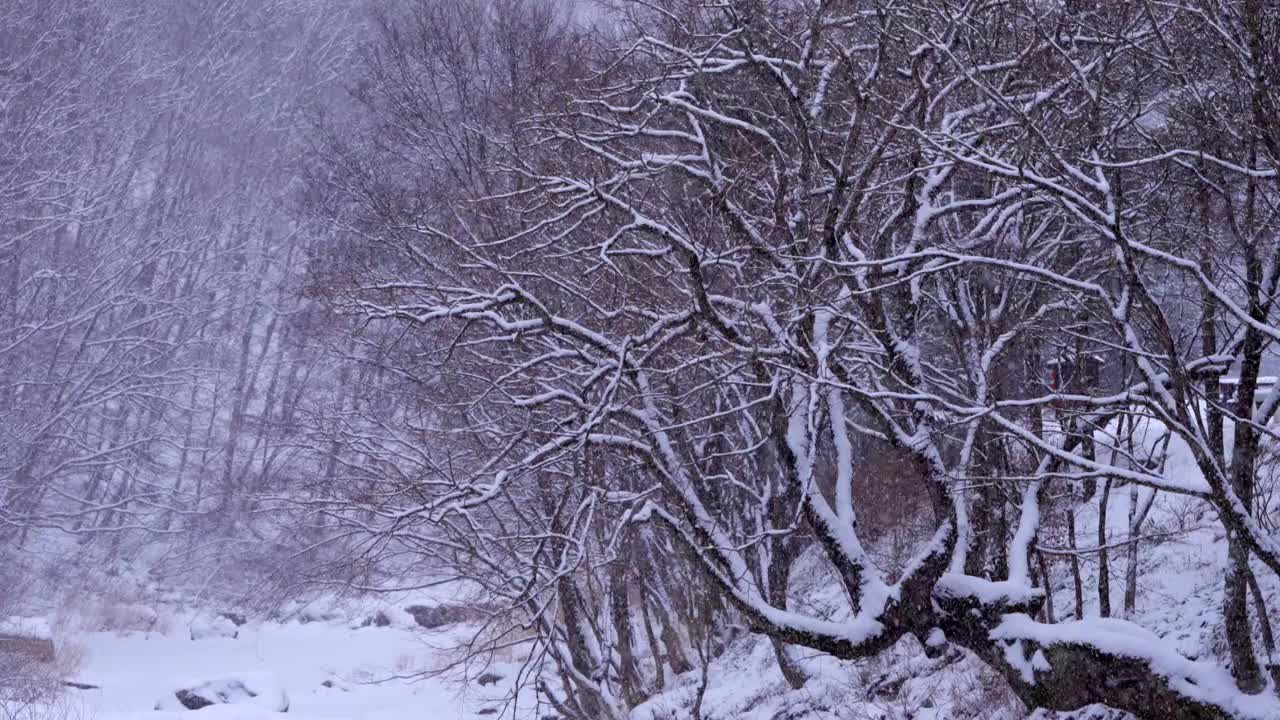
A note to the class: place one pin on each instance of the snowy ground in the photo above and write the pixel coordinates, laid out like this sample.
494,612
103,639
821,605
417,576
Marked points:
1179,599
327,670
330,667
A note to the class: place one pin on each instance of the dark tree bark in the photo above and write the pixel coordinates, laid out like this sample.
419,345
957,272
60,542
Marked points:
1077,582
1104,567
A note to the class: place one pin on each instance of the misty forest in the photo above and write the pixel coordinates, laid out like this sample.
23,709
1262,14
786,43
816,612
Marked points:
639,359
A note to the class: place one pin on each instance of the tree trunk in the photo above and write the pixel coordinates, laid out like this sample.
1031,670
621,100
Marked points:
659,655
1104,567
620,613
1268,634
1244,663
779,577
1048,587
1078,584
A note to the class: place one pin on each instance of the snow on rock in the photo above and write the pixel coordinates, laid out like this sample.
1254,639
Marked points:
322,609
131,616
1091,712
216,626
386,616
937,638
32,628
236,618
436,616
257,689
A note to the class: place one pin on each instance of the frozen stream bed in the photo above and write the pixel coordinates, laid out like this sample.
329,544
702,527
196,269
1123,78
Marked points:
325,670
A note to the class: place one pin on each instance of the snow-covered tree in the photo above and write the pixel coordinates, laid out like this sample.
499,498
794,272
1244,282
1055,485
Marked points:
683,295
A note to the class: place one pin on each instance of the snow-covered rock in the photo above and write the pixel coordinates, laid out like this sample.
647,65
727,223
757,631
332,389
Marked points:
321,609
131,616
216,626
434,616
1092,712
388,616
236,618
256,689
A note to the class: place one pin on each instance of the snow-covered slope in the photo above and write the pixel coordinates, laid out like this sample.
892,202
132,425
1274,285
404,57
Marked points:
1180,585
328,664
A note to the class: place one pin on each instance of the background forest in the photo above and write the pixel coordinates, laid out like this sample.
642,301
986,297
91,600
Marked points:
719,356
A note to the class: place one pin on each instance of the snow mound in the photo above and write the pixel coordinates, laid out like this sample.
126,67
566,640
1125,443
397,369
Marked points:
323,609
217,626
254,689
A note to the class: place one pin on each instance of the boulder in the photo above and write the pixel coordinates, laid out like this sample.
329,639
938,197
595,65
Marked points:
378,619
333,682
434,616
236,618
386,616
